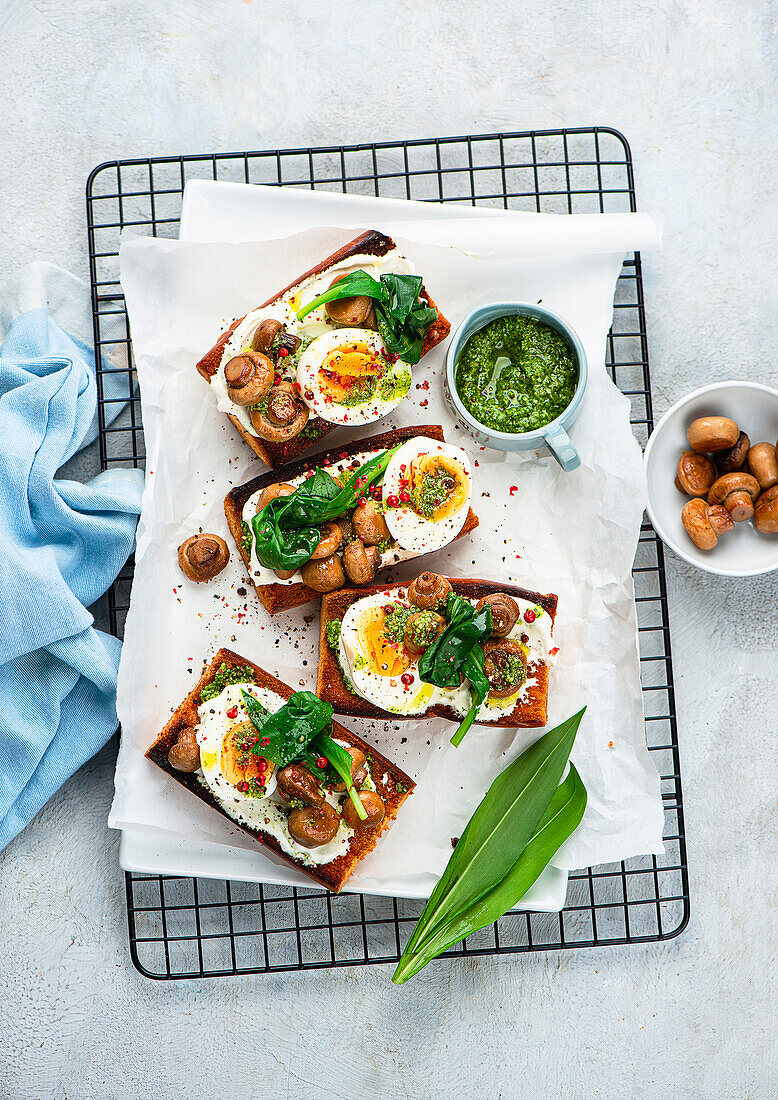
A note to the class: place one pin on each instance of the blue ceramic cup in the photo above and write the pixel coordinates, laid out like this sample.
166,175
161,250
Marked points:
551,435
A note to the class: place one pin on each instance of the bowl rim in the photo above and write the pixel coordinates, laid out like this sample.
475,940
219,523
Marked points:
513,309
656,524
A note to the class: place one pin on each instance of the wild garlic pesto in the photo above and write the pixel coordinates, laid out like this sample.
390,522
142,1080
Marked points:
516,374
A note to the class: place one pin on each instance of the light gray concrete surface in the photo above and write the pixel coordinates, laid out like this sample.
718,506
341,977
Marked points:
692,84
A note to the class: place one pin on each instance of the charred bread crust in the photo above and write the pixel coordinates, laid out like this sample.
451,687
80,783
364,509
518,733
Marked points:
371,243
530,712
284,597
384,774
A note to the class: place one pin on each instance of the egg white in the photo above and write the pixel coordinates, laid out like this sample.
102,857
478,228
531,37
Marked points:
308,378
412,531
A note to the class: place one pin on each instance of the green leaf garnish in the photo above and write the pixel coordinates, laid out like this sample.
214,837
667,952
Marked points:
403,319
300,730
288,731
287,530
457,652
521,822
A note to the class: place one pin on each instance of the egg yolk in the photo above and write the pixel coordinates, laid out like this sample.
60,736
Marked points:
347,369
238,764
384,657
440,486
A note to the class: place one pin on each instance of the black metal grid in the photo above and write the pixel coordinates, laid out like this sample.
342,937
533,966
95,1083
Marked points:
187,928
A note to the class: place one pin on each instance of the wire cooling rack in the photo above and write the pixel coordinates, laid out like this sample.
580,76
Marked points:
188,928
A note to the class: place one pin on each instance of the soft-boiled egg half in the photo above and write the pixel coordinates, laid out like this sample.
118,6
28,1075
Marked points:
345,378
380,669
426,492
225,734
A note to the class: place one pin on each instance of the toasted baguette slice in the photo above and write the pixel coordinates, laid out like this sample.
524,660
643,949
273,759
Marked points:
530,711
284,597
371,243
385,775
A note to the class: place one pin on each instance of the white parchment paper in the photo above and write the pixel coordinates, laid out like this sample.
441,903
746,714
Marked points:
573,534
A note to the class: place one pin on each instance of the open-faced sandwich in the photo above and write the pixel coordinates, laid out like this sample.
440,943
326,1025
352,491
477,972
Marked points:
362,508
466,650
336,347
272,760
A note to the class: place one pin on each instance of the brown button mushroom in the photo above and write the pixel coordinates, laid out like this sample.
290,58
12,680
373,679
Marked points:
358,770
361,562
734,458
248,377
737,492
295,781
313,826
696,473
766,514
284,574
704,522
429,591
264,334
505,667
369,524
505,612
202,557
712,434
184,755
346,528
348,311
331,538
324,575
421,630
284,417
272,492
374,806
763,464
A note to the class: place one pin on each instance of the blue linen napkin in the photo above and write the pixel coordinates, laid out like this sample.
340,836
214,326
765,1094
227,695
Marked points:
62,544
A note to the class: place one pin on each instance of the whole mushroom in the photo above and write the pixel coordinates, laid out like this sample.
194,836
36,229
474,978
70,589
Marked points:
358,770
202,557
272,492
295,781
374,807
184,754
330,541
284,417
361,562
264,334
737,492
249,377
734,458
705,523
696,473
369,523
313,826
766,514
763,464
505,612
324,575
429,591
712,434
348,311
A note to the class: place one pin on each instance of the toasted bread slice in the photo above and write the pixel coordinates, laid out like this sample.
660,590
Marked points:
393,785
371,243
284,597
530,711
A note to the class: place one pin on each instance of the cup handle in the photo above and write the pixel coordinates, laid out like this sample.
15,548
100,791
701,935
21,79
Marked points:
558,442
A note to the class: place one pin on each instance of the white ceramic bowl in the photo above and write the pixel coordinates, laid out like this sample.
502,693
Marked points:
743,552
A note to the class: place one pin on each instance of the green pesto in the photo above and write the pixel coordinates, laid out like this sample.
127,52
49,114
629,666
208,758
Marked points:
313,429
246,538
435,490
516,374
394,622
332,632
511,674
394,385
226,675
